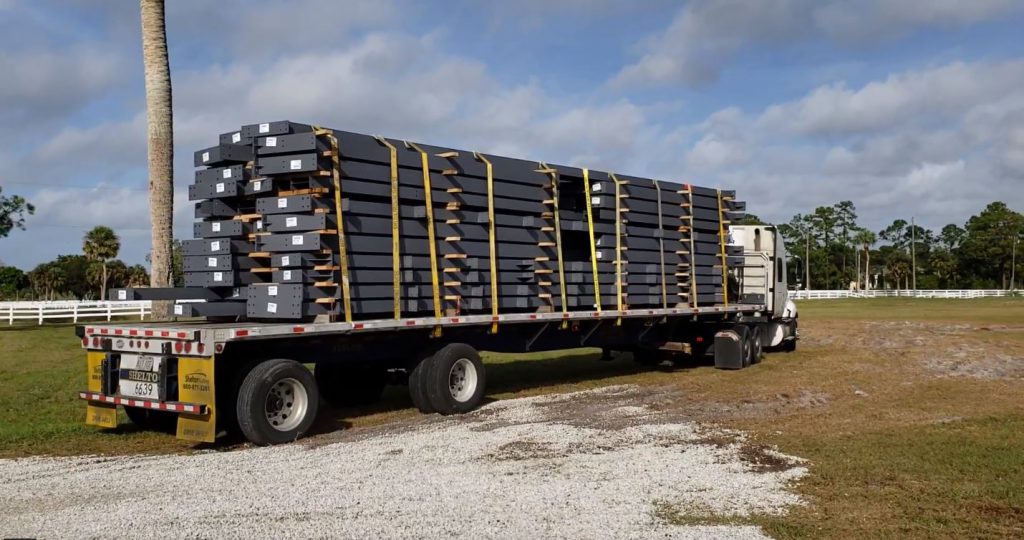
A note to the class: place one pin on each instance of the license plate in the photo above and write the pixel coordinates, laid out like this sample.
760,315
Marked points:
139,376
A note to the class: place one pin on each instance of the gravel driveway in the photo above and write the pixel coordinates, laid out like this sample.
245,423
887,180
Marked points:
590,464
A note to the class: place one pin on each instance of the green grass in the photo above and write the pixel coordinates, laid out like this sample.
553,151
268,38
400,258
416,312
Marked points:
979,310
916,456
42,368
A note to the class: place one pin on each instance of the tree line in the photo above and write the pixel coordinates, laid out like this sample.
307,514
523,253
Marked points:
829,249
83,276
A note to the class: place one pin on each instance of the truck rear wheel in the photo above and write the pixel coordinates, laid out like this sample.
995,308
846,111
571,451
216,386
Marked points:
456,379
418,378
150,420
346,386
277,402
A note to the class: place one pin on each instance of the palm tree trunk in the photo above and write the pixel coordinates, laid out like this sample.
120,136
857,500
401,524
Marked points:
161,145
867,269
103,283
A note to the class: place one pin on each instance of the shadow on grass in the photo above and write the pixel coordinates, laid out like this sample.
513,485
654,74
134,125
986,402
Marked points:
510,377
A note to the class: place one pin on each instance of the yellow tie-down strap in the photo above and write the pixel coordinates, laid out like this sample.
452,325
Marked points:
492,239
98,414
721,243
342,248
196,385
431,237
593,245
396,264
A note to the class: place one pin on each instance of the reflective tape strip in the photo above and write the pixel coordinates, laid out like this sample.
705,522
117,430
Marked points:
191,408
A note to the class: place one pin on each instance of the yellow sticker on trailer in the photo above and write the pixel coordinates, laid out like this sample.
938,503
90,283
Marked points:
98,414
195,385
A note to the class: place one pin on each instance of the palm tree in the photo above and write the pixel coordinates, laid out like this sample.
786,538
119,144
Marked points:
161,144
137,276
101,244
866,238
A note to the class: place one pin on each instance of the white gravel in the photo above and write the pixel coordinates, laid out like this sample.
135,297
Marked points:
510,470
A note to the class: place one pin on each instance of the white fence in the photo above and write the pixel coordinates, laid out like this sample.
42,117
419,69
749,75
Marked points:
72,310
919,293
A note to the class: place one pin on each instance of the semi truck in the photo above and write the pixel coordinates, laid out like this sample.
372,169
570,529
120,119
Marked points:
267,379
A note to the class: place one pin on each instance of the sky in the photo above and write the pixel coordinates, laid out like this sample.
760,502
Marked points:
909,109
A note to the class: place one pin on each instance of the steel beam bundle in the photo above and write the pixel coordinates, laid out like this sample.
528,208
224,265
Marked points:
296,221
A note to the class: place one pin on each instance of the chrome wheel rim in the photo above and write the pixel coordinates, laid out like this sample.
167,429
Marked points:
286,404
462,380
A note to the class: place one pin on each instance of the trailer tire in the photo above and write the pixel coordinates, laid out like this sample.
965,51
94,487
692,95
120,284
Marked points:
456,379
349,386
277,402
417,386
756,345
150,420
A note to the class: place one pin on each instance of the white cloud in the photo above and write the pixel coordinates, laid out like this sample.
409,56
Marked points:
705,34
936,95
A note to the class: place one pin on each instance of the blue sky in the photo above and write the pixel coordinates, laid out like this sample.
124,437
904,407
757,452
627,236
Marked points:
910,108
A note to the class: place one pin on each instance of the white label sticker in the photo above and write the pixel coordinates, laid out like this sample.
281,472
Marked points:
122,295
220,187
211,262
286,260
259,225
272,290
271,141
215,226
291,221
598,254
264,128
271,307
595,201
257,185
296,239
282,203
226,173
295,164
206,157
287,275
178,309
236,137
218,276
595,188
215,245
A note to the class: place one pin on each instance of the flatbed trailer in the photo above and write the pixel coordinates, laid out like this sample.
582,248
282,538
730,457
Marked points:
202,378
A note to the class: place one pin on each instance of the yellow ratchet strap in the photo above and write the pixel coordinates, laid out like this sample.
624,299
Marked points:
593,245
492,239
721,243
396,261
618,247
342,251
553,173
431,238
661,248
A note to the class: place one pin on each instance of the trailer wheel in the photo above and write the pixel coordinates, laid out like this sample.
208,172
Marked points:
346,386
418,378
277,402
756,347
456,379
150,420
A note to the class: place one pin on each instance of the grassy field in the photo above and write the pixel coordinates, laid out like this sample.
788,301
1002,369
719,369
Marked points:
909,411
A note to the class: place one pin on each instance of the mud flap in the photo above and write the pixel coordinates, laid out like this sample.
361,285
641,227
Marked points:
98,414
195,385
